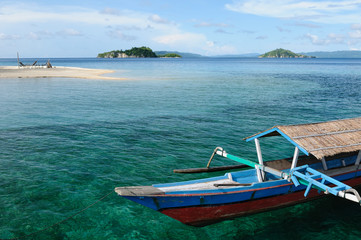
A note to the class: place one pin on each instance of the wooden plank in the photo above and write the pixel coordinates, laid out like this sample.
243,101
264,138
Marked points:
138,191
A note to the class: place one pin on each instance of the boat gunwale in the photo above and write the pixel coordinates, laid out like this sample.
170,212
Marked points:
244,190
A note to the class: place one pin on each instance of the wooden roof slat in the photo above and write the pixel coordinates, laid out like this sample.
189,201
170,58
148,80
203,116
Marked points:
323,139
324,134
325,148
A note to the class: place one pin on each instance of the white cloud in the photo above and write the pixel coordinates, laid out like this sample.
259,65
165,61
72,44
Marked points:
157,19
69,32
33,36
220,27
317,11
315,39
210,24
120,35
306,25
180,38
4,36
281,29
39,35
262,37
110,11
122,23
195,42
355,34
336,38
248,32
212,48
41,15
220,30
120,18
210,44
329,39
34,21
356,26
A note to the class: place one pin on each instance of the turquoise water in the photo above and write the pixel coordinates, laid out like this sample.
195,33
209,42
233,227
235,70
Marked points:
65,143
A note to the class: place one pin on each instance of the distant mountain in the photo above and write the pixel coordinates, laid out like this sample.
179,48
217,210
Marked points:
282,53
183,54
336,54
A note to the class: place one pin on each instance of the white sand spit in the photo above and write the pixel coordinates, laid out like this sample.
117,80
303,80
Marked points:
57,72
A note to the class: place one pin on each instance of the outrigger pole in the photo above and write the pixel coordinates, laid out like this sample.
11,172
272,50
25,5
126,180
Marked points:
304,175
249,163
208,168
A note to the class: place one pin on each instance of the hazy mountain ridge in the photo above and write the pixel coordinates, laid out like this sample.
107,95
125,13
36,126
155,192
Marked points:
336,54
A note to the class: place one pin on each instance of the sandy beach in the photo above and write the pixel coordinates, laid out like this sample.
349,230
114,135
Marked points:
63,72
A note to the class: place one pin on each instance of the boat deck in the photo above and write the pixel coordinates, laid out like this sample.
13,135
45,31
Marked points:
227,182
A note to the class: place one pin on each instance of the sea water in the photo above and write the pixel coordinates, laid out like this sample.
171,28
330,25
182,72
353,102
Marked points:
66,142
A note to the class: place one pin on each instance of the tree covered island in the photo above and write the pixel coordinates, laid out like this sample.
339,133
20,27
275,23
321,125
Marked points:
169,55
283,53
135,52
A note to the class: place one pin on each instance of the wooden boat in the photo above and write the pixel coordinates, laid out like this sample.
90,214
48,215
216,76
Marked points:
330,163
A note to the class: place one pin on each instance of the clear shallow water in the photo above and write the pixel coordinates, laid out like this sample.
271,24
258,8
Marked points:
64,143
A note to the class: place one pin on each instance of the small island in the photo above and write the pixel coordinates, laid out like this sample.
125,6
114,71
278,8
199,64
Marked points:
170,55
135,52
283,53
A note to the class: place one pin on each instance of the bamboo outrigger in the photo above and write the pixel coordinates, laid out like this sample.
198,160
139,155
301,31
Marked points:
331,164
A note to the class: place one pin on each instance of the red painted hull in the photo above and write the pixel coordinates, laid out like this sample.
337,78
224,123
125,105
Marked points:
204,215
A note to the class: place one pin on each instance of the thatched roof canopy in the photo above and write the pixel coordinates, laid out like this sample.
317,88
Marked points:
325,139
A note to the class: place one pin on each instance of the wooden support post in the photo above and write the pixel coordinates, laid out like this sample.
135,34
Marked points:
18,59
260,160
259,173
358,158
295,158
344,163
259,152
324,164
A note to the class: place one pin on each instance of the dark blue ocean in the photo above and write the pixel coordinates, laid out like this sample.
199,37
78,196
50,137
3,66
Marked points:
65,143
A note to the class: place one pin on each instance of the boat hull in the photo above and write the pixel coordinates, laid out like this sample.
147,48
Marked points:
199,216
204,209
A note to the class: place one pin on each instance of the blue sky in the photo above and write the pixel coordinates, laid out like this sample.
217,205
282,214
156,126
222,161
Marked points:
80,28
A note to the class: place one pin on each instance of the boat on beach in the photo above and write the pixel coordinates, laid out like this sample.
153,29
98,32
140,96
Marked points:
326,161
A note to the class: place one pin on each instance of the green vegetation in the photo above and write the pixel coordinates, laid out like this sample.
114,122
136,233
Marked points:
142,52
182,54
170,55
283,53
